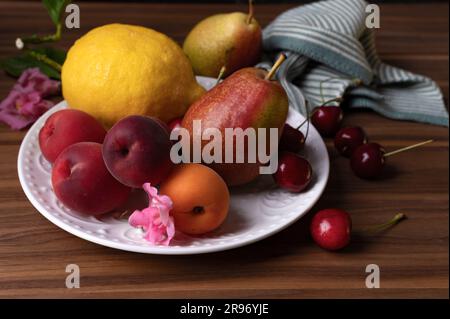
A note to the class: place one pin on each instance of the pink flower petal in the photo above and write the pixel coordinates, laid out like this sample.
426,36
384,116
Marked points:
32,80
25,103
150,190
158,225
15,122
142,218
32,105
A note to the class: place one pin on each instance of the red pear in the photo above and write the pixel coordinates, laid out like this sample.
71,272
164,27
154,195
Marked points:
246,99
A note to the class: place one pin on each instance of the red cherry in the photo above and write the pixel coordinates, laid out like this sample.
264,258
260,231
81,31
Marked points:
291,139
327,119
348,139
368,160
294,172
175,124
331,228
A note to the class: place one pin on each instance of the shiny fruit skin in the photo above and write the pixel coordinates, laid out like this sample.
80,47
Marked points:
81,181
291,140
294,173
243,100
136,150
223,40
331,229
348,139
200,198
66,127
116,70
368,161
327,120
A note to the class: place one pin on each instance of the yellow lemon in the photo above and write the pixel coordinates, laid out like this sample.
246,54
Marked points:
117,70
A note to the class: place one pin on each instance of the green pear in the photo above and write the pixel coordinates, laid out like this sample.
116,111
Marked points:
248,98
233,40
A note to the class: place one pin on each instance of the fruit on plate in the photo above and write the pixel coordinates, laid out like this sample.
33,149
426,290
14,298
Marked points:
331,228
136,150
200,198
117,70
292,139
246,99
67,127
327,119
81,181
231,40
294,172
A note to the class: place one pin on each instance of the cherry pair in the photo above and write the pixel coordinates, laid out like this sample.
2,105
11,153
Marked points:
294,172
326,119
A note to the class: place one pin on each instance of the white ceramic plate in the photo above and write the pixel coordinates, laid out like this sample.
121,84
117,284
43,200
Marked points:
257,210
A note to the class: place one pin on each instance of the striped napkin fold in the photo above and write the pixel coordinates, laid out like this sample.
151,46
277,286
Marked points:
331,53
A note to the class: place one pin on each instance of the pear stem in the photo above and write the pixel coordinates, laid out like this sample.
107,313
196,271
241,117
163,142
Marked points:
221,73
407,148
377,228
275,67
250,11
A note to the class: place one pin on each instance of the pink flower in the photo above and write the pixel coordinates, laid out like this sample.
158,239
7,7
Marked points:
32,80
155,219
25,103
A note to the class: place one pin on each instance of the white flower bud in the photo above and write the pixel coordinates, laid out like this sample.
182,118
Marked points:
19,44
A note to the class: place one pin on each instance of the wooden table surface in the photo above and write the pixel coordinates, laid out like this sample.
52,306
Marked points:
413,256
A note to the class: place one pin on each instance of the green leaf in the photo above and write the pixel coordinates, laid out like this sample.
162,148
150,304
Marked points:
16,65
57,55
55,9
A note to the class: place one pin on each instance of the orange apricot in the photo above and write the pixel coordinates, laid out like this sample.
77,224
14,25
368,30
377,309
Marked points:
200,198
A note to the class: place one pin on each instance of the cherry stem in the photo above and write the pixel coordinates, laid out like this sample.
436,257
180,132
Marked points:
307,125
275,67
250,11
221,74
354,80
303,123
337,99
378,228
407,148
308,117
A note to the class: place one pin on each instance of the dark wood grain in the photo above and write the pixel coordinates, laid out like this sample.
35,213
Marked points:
413,256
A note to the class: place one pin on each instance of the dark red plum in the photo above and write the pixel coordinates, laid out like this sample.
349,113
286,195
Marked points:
136,150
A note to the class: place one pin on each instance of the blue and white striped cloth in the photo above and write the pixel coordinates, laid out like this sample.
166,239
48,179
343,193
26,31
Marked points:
331,53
